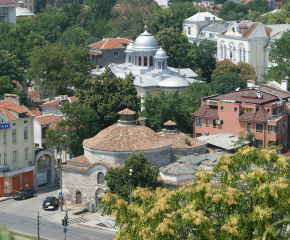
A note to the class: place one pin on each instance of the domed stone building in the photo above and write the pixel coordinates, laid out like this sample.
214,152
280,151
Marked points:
83,176
148,64
22,11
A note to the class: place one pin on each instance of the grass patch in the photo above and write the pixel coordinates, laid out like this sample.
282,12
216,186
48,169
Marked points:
26,236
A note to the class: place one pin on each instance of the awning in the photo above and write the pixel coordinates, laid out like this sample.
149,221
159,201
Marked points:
95,54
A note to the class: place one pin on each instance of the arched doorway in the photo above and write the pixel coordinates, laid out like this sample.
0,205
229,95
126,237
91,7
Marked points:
98,196
44,174
79,198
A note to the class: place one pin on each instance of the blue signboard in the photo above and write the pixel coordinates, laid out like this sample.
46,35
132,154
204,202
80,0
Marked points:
60,195
65,230
4,125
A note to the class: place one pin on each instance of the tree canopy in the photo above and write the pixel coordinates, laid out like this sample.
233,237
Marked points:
107,95
143,175
233,11
252,191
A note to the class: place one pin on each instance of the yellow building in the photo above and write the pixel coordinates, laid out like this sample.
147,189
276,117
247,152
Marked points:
16,146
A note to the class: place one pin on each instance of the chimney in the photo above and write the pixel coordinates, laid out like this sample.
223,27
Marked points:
140,79
259,94
250,83
284,85
13,97
104,38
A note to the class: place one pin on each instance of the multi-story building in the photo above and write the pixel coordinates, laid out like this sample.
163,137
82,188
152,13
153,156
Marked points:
26,4
262,109
16,146
8,11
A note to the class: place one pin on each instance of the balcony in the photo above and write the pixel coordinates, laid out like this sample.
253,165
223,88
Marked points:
275,117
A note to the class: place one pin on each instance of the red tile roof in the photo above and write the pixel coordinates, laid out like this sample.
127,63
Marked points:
36,112
80,159
17,84
95,54
7,105
48,119
126,139
34,96
169,123
126,111
111,43
259,115
250,30
7,2
54,103
205,111
279,92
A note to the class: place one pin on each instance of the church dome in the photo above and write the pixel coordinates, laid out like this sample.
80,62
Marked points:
161,53
21,11
145,41
125,136
130,47
174,82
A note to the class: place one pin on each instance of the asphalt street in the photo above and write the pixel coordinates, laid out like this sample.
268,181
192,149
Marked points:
21,216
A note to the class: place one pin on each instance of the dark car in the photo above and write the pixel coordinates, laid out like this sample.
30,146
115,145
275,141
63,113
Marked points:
50,203
24,193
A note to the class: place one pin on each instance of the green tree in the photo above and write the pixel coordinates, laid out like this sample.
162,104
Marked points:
233,11
254,16
108,94
39,5
143,175
173,16
6,86
219,1
75,34
242,206
226,83
58,68
205,53
280,17
280,58
160,109
80,123
177,48
72,11
261,6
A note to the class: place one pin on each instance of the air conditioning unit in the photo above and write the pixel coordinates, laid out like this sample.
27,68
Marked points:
206,132
30,163
218,122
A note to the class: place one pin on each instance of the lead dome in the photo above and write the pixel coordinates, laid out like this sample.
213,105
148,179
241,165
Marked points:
174,82
146,40
161,53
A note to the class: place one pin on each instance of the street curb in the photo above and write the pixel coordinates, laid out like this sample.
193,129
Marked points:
8,198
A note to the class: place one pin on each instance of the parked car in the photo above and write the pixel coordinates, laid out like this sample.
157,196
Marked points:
24,193
50,203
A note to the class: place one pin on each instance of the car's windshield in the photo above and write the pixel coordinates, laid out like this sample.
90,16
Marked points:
21,191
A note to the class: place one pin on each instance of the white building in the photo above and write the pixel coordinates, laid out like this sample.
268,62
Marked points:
163,3
8,11
23,11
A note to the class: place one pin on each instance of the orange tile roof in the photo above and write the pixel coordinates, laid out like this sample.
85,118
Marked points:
81,160
126,139
17,84
111,43
7,105
169,123
48,119
34,96
54,103
55,120
126,111
36,112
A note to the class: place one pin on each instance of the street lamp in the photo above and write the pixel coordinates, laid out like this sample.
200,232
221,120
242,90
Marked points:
60,177
130,173
38,238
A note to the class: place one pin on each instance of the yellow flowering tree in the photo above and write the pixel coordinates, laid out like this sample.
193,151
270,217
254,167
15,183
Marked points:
251,188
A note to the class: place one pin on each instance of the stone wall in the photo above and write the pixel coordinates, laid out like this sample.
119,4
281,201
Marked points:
82,181
175,153
159,157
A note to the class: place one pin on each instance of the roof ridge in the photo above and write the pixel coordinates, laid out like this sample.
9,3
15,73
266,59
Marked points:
104,43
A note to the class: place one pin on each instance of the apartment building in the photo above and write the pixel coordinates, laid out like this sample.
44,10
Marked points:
16,146
8,11
263,109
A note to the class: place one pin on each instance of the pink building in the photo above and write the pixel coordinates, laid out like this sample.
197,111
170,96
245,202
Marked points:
263,108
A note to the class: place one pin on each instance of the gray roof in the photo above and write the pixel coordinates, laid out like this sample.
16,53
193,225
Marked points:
222,140
191,164
216,27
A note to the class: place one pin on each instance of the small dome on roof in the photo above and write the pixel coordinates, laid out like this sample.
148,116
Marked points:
21,11
130,47
145,41
161,53
174,82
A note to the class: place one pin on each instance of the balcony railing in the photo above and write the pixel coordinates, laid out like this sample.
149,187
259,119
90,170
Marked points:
4,13
275,117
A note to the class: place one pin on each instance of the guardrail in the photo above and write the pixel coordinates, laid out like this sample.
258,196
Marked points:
275,117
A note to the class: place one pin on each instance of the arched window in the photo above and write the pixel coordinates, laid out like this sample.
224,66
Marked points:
242,53
136,60
159,65
145,61
151,61
189,30
140,61
79,198
101,179
222,50
163,65
231,51
129,59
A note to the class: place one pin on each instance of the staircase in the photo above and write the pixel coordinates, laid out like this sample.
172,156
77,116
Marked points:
77,220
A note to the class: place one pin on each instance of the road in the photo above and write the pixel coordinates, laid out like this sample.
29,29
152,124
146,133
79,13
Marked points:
21,216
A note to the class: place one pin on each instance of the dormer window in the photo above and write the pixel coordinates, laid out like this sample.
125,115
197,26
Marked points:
22,115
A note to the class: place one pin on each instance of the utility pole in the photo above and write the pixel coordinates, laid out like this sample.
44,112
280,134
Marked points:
130,184
38,238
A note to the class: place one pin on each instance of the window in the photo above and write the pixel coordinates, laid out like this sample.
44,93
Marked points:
259,143
207,122
272,129
30,8
136,60
222,108
14,136
198,122
25,133
140,61
101,178
145,61
213,107
116,54
43,131
151,61
284,125
214,123
14,157
44,145
25,121
130,58
222,122
25,1
235,109
249,110
4,138
189,30
4,159
26,153
249,126
36,145
198,134
259,128
78,198
268,110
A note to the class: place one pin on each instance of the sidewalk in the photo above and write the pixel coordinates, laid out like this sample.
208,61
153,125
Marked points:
5,198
